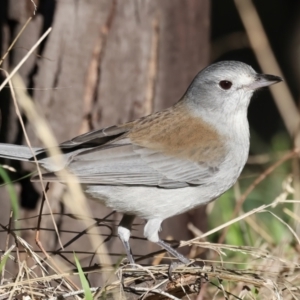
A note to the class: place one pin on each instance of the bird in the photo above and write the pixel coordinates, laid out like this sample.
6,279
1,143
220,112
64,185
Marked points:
168,162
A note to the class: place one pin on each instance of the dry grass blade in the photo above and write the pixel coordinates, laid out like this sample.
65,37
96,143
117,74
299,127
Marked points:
14,41
44,133
258,180
47,137
29,144
288,226
261,208
266,58
291,214
16,283
19,65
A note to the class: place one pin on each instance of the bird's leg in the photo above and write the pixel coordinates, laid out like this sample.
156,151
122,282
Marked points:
173,252
151,233
124,229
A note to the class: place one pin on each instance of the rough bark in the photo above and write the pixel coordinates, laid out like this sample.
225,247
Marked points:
107,62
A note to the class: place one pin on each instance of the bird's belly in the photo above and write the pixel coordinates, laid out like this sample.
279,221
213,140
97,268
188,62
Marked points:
151,202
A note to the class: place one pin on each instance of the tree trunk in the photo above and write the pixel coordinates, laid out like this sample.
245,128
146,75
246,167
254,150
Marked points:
106,62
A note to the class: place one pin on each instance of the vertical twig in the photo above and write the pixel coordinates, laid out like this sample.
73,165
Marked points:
38,227
266,58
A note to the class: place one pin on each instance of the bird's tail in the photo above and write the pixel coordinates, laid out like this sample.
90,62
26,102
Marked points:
16,152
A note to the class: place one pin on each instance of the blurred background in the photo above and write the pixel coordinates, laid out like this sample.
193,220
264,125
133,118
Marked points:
110,61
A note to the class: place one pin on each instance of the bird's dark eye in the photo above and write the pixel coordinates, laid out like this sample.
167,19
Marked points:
225,84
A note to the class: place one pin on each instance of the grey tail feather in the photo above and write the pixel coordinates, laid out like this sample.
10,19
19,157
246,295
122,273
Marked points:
16,152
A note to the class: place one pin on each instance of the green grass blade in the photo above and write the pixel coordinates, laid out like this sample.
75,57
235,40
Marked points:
83,280
3,261
12,192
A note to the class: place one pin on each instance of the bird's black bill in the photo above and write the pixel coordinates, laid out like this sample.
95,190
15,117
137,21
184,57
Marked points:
263,80
269,78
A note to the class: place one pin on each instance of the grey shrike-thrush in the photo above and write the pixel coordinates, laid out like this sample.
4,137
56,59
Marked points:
168,162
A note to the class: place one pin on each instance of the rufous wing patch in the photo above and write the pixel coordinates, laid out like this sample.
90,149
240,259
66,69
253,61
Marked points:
176,133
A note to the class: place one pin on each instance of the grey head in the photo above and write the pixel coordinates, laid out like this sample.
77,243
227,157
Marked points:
227,86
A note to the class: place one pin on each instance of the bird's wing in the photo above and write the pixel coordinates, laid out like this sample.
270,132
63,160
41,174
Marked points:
87,140
123,163
138,157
